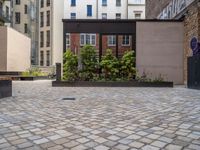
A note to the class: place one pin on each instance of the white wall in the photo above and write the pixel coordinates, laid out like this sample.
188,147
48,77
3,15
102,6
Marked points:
80,9
57,31
127,7
111,9
14,50
18,51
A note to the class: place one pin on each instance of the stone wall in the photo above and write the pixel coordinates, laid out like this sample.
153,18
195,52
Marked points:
191,29
154,7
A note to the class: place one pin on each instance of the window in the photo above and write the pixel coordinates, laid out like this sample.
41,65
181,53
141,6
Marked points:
41,58
41,39
48,18
126,40
88,39
7,11
111,40
67,40
73,2
137,1
118,2
25,9
17,18
41,3
73,15
48,58
25,28
41,19
104,2
17,2
104,15
118,16
48,2
48,38
1,6
137,15
89,10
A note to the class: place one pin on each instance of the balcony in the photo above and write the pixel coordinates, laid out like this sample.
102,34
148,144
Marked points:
5,17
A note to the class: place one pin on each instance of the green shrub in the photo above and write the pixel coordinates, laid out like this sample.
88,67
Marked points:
128,70
110,66
35,72
70,66
89,63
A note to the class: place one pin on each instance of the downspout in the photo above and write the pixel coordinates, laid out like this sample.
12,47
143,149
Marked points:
127,9
97,9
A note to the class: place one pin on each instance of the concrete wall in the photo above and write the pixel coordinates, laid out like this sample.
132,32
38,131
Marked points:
3,48
159,48
16,49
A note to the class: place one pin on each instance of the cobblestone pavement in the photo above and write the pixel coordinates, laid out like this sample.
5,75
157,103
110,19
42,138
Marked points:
100,118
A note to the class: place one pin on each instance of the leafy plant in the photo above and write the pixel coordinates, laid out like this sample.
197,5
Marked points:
128,65
89,63
35,72
110,65
70,66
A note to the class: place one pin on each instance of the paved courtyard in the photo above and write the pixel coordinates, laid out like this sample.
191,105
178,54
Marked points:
37,118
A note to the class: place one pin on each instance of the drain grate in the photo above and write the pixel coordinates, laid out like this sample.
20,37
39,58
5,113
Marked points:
68,99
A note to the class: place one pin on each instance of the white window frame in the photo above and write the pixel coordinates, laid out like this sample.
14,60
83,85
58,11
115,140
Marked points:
118,17
129,43
84,40
104,14
111,40
68,40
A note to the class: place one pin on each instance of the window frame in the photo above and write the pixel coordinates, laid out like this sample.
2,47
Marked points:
89,10
111,40
129,42
84,40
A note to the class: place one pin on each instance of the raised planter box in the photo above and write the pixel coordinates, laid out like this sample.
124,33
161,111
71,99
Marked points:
5,88
110,84
20,78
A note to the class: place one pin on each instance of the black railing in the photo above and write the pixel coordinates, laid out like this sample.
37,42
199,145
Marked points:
5,17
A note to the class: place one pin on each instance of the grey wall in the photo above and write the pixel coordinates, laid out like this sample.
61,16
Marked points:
3,48
159,48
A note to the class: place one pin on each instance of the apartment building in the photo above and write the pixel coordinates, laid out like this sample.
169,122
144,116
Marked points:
51,13
25,20
102,9
4,12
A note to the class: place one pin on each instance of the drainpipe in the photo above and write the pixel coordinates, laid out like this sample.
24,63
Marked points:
127,9
97,9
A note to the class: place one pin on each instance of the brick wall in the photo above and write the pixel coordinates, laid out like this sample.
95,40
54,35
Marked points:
191,29
154,7
75,45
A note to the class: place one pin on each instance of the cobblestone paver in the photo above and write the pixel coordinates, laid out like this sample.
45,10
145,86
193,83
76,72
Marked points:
37,118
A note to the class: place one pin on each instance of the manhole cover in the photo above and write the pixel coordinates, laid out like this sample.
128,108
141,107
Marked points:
68,99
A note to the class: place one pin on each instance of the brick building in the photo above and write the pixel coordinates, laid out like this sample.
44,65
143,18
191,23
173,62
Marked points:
115,9
186,10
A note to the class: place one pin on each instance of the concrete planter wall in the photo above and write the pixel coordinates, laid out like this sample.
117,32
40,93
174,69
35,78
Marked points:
5,88
110,84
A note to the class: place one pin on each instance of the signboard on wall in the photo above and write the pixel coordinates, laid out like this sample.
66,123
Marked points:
174,8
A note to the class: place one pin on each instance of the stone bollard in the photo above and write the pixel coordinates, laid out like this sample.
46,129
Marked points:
58,71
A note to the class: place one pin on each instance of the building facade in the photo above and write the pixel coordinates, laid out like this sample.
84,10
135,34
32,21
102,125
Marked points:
186,10
5,12
25,20
51,13
102,9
